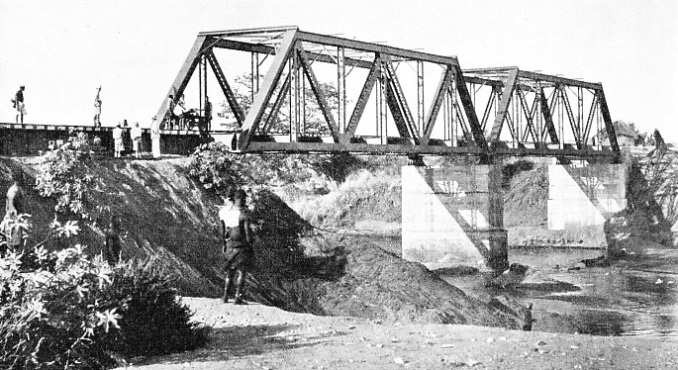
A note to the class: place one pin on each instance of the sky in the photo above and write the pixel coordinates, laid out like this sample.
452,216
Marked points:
63,50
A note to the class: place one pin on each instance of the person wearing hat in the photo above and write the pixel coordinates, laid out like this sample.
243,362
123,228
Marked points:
237,245
19,104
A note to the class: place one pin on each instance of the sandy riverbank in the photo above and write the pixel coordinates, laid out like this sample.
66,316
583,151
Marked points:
261,337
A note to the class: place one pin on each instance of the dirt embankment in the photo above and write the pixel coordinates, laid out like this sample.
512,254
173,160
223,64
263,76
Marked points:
164,214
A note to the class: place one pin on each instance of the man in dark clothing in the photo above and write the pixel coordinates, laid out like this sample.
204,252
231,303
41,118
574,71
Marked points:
113,243
237,245
204,128
19,105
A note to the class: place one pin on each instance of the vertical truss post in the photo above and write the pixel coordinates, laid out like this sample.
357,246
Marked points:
341,90
454,112
254,77
420,97
561,116
200,79
446,116
518,117
580,113
599,128
302,105
382,122
294,96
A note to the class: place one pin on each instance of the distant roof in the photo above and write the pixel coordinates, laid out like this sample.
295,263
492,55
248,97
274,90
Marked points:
624,129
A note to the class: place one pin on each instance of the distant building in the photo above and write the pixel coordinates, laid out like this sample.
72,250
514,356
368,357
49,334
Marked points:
627,135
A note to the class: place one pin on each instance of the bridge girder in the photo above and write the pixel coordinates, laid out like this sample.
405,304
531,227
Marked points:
448,125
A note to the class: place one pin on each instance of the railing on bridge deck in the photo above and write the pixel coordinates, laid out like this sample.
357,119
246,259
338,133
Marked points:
32,139
404,101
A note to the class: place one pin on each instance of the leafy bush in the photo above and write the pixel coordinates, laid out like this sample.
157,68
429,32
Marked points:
66,310
221,171
153,321
67,175
49,315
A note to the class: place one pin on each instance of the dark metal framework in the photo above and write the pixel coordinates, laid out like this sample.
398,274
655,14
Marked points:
533,113
529,105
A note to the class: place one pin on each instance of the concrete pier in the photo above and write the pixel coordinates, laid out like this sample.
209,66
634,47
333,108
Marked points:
454,216
582,194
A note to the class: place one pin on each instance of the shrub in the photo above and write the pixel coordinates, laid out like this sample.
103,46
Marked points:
49,315
153,320
66,310
220,171
67,176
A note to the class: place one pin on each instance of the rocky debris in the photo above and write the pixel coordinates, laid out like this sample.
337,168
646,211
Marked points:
600,261
511,277
460,270
524,277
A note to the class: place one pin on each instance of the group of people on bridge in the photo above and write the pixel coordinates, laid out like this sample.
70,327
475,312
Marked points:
177,117
180,118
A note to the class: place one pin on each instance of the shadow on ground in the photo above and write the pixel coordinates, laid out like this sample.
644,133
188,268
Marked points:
241,341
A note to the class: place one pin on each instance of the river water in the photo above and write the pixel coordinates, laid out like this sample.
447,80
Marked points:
636,296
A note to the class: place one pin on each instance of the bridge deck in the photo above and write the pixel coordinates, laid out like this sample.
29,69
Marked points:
33,138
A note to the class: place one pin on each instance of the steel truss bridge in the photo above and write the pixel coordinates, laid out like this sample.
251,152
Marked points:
386,99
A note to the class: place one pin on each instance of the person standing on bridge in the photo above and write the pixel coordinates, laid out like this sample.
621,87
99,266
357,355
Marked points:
20,105
117,141
237,245
155,137
97,109
206,122
136,140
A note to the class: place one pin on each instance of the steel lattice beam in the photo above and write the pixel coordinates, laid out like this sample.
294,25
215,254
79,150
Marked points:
291,55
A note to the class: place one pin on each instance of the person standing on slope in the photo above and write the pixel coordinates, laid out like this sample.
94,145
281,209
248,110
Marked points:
237,245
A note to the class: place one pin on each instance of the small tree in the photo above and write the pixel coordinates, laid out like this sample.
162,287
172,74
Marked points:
661,173
314,119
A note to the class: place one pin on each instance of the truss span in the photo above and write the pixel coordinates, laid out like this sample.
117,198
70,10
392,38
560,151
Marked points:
307,92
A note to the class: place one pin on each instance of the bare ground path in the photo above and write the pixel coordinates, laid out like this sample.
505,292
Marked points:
262,337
